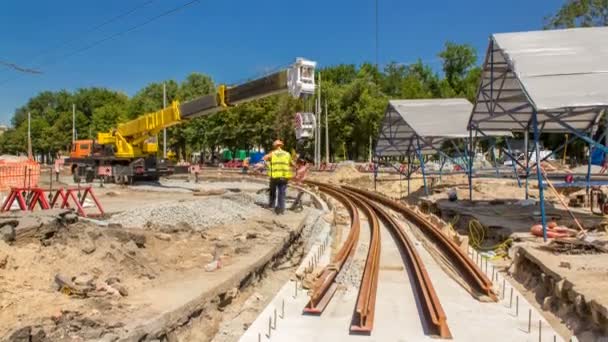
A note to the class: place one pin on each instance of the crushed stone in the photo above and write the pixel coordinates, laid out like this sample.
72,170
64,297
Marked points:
198,214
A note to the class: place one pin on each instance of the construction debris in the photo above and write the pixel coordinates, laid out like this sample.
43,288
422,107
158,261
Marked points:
576,246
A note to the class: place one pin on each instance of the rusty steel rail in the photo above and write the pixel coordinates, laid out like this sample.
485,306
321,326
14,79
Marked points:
436,319
363,317
470,272
324,287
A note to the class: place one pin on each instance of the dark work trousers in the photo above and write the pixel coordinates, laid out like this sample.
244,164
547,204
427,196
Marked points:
278,189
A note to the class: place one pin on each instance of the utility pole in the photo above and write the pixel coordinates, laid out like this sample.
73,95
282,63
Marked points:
164,129
376,22
73,123
326,135
320,115
370,149
29,136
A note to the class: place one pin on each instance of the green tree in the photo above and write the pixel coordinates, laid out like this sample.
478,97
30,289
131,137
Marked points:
579,13
458,60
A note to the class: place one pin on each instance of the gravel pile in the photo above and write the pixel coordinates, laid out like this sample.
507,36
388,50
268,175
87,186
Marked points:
352,271
198,214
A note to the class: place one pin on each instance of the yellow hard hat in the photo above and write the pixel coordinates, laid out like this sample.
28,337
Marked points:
277,143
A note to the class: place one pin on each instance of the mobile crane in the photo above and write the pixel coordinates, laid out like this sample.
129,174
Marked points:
127,153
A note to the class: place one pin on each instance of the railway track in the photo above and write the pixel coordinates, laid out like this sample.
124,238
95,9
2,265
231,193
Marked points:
473,275
373,206
325,287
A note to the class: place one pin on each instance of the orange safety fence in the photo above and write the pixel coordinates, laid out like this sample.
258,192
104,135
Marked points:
22,173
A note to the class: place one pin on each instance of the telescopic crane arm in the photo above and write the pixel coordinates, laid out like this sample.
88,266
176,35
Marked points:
131,138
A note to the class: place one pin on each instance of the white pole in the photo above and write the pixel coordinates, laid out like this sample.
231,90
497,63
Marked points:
73,123
326,135
164,129
320,115
370,149
29,136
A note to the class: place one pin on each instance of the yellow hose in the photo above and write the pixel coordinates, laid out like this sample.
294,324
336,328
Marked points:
477,236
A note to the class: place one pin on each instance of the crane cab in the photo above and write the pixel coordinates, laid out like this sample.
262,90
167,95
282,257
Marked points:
301,78
81,148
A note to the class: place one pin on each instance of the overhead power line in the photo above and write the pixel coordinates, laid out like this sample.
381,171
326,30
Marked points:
132,28
68,42
116,35
19,68
94,28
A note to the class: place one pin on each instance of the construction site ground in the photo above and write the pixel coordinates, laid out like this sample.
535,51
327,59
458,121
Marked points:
164,258
569,288
147,266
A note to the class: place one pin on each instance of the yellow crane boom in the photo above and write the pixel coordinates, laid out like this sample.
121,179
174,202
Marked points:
131,139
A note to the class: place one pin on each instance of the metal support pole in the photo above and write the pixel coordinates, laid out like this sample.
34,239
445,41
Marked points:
326,135
409,172
470,156
375,175
588,178
73,123
443,160
419,153
164,129
527,159
541,194
513,163
494,156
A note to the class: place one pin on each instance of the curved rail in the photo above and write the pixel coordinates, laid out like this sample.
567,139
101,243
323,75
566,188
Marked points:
324,287
430,304
363,318
472,274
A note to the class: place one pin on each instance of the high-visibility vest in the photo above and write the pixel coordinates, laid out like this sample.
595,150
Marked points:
280,164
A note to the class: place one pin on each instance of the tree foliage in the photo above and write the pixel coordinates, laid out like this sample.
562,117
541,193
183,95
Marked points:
579,13
356,98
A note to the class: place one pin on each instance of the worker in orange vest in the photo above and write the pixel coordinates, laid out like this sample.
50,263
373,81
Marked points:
279,164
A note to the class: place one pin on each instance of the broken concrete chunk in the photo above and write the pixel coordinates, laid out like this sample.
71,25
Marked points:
163,236
88,247
108,337
547,303
112,280
21,335
3,261
84,279
240,238
70,218
7,233
131,247
94,234
214,265
121,289
38,335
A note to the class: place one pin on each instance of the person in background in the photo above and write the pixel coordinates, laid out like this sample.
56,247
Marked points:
279,164
604,164
245,165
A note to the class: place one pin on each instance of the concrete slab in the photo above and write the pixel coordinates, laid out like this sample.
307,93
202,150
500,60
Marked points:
397,312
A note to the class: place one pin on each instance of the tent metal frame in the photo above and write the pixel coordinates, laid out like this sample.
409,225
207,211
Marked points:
491,107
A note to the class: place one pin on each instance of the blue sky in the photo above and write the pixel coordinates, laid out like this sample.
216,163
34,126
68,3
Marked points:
233,40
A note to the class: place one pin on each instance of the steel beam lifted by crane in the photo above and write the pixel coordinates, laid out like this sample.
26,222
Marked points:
126,152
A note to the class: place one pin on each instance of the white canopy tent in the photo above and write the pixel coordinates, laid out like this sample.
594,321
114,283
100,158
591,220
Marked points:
544,81
560,74
409,124
427,124
422,127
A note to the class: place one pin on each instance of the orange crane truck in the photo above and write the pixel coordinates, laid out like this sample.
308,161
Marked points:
128,152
